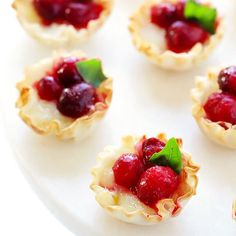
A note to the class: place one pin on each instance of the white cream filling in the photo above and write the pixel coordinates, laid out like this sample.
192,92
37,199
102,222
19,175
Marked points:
155,35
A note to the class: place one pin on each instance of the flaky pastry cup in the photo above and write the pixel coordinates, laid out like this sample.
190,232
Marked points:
125,206
204,87
58,35
44,118
156,50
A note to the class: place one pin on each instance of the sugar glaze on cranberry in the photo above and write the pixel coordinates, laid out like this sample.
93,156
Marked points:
64,86
148,182
127,170
156,183
77,100
181,34
75,12
48,88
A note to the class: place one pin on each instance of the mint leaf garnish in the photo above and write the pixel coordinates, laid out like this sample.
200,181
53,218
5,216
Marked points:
204,15
170,156
91,71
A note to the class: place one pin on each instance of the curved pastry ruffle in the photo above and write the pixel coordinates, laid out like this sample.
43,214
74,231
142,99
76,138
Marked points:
127,207
44,118
58,35
157,52
204,87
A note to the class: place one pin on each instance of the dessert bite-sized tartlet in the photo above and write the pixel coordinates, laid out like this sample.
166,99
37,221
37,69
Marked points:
60,23
145,180
65,95
176,34
214,105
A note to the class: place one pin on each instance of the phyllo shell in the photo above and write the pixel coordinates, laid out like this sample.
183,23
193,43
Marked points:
150,40
58,35
125,206
43,117
204,86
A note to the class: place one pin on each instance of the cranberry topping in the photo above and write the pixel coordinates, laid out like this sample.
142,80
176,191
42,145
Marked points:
75,12
182,36
221,107
79,14
149,147
50,10
48,88
180,10
64,85
163,14
67,72
156,183
127,170
77,100
227,80
148,183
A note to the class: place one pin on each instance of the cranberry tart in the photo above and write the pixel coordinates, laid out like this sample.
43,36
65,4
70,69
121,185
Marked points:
62,22
214,105
176,34
145,180
65,95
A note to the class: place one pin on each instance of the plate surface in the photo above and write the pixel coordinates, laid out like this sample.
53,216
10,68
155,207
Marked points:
146,100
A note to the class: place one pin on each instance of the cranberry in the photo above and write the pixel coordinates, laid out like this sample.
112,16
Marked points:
50,9
180,10
182,36
48,88
127,170
156,183
163,14
67,72
79,14
227,80
77,100
149,147
221,107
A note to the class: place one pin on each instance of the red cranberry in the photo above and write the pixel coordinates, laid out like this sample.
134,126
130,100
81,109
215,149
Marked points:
180,10
221,107
182,36
163,14
156,183
79,14
67,72
77,100
48,88
50,9
127,170
227,80
149,147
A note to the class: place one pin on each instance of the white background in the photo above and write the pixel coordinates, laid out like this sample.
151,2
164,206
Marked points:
21,212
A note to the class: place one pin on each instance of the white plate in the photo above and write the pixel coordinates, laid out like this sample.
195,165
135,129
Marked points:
146,100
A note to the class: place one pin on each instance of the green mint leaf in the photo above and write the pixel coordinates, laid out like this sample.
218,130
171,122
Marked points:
204,15
170,156
91,71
